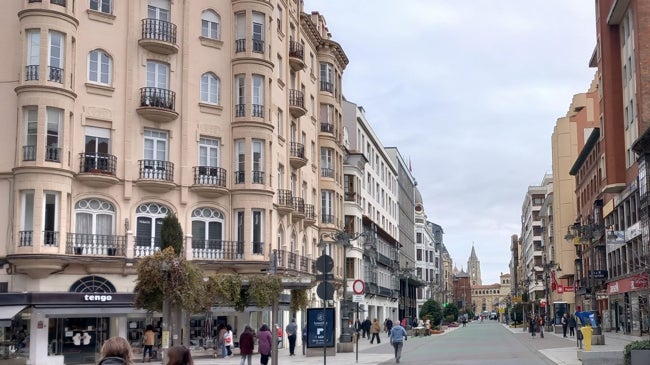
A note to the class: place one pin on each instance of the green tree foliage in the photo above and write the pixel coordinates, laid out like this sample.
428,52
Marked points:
450,311
171,233
166,275
432,311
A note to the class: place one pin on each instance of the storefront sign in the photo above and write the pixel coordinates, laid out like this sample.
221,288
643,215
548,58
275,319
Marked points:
97,298
564,289
632,283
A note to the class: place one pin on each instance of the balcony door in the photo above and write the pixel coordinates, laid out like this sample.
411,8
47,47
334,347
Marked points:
149,218
94,223
158,9
97,149
157,75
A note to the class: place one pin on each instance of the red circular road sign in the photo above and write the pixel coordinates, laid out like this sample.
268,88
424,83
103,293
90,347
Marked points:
358,286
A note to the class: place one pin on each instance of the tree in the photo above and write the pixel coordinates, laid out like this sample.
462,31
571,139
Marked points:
450,312
171,233
432,311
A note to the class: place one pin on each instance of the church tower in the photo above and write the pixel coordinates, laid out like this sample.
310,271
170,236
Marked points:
474,269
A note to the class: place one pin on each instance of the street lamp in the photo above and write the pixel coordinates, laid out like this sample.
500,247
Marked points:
589,236
345,240
548,267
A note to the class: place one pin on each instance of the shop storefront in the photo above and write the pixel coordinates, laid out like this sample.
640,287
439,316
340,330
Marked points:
628,305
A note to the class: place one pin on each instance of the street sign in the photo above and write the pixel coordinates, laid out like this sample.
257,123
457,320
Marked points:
358,286
357,298
324,263
325,290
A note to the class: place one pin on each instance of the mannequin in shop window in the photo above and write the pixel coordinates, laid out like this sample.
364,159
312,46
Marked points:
86,338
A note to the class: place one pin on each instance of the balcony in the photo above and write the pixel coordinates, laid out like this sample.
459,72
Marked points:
327,128
31,72
258,46
283,205
258,111
217,250
310,216
258,248
327,172
25,238
258,177
240,110
209,181
51,238
29,153
327,219
298,205
146,246
296,56
97,169
158,36
296,103
156,175
95,245
297,155
52,154
157,104
240,45
327,86
55,74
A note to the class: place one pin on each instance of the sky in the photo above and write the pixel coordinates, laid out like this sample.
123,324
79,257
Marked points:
469,92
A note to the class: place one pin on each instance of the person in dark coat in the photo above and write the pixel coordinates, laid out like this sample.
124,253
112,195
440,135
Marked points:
264,339
246,345
572,325
366,328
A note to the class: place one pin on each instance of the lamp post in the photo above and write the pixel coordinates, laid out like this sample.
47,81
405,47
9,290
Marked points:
344,239
583,236
548,267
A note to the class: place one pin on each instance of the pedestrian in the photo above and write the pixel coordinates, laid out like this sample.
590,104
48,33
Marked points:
366,328
397,336
565,323
116,351
540,321
279,331
148,342
291,330
264,341
221,333
246,345
228,340
572,325
374,331
304,339
532,325
179,355
389,325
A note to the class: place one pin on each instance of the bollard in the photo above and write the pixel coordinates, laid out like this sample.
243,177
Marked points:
587,331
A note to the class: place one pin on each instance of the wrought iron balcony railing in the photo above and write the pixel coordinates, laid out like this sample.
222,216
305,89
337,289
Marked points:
159,30
31,72
55,74
216,249
156,97
100,163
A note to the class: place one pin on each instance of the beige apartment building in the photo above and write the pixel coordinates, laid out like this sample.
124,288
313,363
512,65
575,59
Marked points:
226,113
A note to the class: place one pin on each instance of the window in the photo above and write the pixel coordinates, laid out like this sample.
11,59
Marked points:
27,221
104,6
210,23
279,19
258,96
258,32
52,150
207,229
97,150
56,59
240,32
327,162
258,231
326,77
279,67
209,152
159,10
240,84
157,75
149,217
99,67
33,54
327,206
209,88
280,122
31,129
50,218
239,230
258,161
155,145
240,153
94,218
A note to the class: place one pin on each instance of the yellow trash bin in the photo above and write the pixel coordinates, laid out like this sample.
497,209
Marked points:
587,331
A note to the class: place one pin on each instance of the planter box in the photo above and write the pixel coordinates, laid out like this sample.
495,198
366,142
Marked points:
640,357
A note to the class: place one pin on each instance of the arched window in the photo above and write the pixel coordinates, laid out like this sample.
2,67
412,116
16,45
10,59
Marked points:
149,217
92,284
207,228
94,217
209,88
100,67
210,25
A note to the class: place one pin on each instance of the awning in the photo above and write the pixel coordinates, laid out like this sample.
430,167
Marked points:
10,311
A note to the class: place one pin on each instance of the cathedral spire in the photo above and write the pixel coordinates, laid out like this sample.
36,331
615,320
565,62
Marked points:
474,268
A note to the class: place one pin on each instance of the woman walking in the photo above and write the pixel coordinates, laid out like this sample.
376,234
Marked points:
264,339
246,345
374,331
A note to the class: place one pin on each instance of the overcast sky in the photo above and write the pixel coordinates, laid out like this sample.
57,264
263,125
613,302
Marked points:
469,92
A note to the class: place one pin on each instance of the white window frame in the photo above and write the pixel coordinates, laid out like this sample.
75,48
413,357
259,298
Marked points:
100,67
31,126
27,216
102,207
210,88
48,194
257,228
102,6
56,49
206,216
257,90
33,47
240,89
209,151
210,24
257,155
54,119
257,26
155,145
157,74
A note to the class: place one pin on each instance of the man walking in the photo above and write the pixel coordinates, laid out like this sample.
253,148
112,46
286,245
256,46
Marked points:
397,336
366,328
291,330
565,323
